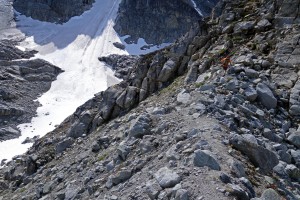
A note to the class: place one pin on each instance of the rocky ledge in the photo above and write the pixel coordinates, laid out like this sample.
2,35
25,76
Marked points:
21,81
180,127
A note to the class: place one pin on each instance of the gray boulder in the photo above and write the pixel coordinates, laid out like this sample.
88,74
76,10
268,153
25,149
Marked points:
63,145
120,177
294,139
205,158
166,177
270,194
128,98
250,94
293,172
263,25
119,45
152,189
9,132
183,97
181,194
244,27
167,71
258,155
265,95
140,126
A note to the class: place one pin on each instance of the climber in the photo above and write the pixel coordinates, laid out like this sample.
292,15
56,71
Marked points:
225,62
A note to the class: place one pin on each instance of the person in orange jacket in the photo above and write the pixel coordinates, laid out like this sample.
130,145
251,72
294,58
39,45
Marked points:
226,62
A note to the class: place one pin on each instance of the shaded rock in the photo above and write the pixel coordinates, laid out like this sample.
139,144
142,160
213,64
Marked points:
140,126
267,133
225,178
119,45
250,94
152,189
244,27
167,71
167,178
293,172
95,146
183,97
294,139
181,194
9,132
121,176
205,158
237,168
270,194
296,157
259,156
63,145
123,151
128,98
263,25
237,191
265,95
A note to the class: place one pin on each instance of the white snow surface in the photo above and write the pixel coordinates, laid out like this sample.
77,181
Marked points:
74,47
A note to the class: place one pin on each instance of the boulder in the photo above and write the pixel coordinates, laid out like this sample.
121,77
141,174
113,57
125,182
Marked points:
167,178
152,189
270,194
119,45
167,71
63,145
205,158
244,27
140,126
294,139
266,96
258,155
183,97
250,94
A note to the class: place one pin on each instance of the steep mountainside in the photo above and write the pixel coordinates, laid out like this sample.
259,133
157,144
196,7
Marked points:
159,21
179,127
52,10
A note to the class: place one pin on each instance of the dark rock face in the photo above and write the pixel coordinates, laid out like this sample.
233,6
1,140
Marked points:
155,21
21,81
52,10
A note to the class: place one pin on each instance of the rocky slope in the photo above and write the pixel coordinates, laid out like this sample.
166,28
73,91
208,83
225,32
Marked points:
52,10
178,127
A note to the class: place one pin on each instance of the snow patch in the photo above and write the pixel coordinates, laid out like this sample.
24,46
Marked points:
141,46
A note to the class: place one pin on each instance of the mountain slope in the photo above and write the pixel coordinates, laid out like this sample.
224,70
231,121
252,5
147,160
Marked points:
202,135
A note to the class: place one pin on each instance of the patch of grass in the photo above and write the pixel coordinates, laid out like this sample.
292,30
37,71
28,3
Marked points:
197,85
102,157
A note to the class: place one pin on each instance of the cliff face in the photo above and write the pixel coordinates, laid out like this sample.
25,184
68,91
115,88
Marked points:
52,10
159,21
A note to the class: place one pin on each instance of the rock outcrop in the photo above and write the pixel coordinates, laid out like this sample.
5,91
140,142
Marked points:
21,81
159,21
53,10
